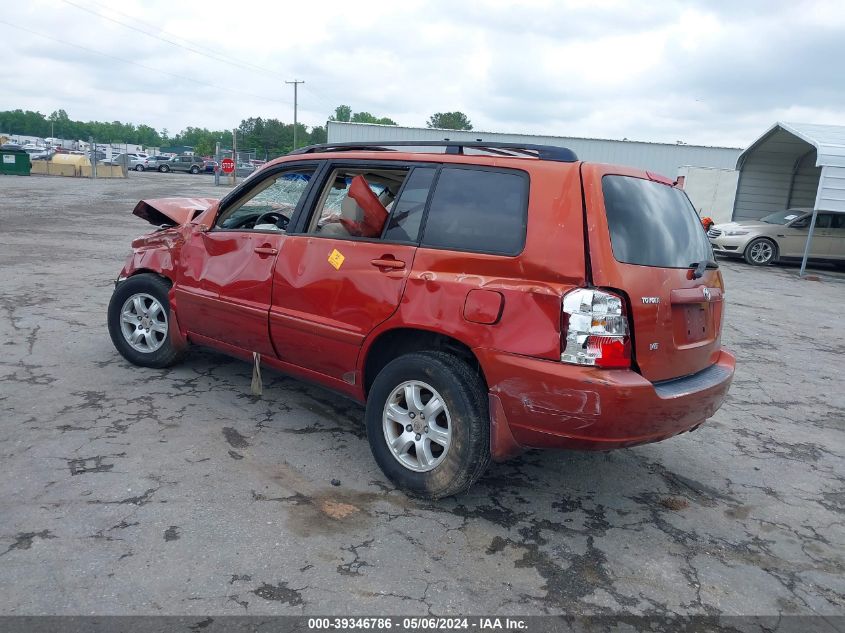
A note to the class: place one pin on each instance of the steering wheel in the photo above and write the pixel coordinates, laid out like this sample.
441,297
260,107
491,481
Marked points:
273,217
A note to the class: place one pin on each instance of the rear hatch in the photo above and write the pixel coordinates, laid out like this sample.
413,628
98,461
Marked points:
647,242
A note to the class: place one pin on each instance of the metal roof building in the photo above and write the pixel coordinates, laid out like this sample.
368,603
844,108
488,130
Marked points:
792,165
664,158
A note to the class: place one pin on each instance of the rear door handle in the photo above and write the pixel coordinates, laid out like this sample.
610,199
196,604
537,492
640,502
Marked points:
395,264
266,250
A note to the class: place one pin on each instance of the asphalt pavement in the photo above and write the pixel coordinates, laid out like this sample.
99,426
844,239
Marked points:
140,491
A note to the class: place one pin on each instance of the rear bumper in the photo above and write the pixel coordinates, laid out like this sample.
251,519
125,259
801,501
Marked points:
545,404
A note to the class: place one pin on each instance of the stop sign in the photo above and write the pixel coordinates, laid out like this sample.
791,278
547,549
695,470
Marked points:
228,165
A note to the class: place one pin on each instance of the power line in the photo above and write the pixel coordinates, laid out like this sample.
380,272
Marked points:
320,100
219,58
189,45
227,60
134,63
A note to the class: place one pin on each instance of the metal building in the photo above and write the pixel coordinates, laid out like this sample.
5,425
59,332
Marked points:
792,165
663,158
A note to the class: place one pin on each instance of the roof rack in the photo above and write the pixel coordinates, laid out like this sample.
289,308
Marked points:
542,152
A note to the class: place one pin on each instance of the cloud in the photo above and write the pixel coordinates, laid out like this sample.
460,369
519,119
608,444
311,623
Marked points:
702,72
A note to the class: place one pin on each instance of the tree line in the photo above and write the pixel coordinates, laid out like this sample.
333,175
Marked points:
266,137
441,120
60,125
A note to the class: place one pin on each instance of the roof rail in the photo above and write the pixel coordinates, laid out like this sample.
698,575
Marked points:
542,152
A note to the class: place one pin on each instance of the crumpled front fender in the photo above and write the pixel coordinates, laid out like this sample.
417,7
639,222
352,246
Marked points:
176,211
156,252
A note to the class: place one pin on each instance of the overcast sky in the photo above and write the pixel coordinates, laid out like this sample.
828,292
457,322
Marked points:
714,73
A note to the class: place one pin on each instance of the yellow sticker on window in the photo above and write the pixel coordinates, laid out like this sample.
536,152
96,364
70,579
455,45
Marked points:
336,259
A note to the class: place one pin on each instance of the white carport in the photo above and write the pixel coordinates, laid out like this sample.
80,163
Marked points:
792,165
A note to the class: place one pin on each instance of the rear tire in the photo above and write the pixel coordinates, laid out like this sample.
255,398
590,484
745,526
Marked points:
139,168
761,252
164,169
139,322
454,441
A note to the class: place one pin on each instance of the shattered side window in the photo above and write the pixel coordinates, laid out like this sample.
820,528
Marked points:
270,204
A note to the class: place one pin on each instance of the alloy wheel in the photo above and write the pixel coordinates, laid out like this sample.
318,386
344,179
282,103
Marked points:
143,322
417,426
761,252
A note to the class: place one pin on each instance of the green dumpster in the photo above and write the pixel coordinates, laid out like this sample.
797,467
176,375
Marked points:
14,162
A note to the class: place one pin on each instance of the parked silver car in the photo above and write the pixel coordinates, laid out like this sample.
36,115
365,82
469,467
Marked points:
154,162
782,236
131,161
192,164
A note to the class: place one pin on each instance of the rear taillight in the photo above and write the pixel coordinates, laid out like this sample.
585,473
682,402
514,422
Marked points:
594,329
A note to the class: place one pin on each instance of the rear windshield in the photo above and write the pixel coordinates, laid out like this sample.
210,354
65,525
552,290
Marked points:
652,224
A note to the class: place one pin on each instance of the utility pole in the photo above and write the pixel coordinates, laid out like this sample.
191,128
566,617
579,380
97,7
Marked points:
217,167
235,155
93,149
295,86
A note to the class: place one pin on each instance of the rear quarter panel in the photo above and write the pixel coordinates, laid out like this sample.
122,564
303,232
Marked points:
531,284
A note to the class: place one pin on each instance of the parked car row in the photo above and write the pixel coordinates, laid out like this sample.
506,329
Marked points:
164,164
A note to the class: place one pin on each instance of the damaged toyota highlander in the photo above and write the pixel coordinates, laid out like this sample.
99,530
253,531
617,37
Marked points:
480,299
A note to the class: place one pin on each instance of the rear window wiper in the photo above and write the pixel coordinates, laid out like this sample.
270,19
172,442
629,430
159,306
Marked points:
701,266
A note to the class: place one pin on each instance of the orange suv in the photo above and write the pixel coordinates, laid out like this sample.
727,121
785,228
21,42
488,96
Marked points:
480,298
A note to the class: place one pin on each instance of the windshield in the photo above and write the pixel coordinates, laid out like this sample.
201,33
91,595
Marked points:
782,217
652,224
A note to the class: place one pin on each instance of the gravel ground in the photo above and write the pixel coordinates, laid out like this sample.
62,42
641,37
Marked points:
139,491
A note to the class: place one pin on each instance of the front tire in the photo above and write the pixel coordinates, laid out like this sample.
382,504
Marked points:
139,322
428,424
195,170
761,252
164,169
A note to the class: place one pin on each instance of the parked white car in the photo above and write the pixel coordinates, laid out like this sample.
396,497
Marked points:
132,161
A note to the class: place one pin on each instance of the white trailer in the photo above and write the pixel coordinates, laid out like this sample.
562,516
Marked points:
711,190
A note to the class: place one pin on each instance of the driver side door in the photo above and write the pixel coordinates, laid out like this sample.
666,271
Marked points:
225,285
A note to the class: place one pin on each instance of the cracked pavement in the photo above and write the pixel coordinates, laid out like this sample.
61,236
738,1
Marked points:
139,491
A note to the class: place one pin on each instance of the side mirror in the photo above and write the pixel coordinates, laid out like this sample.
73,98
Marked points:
800,224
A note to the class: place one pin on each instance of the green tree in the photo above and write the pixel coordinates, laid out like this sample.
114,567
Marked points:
147,136
26,123
366,117
202,140
60,123
344,114
318,135
341,113
449,121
